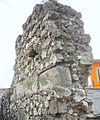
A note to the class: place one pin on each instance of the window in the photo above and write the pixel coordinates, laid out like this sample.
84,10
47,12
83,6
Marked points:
98,73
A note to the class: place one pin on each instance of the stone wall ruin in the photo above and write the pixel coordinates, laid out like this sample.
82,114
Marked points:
53,58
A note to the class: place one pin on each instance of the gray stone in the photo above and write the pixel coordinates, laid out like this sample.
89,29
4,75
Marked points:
86,58
62,108
78,98
50,83
57,76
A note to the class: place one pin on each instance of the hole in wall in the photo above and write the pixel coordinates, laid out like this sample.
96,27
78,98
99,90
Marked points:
32,53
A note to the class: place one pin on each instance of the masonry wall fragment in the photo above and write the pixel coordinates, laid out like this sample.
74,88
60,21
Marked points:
53,57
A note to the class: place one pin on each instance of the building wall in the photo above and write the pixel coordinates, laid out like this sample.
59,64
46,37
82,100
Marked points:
53,58
95,76
94,95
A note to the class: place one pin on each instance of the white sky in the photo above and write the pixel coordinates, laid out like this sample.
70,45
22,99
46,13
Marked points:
13,13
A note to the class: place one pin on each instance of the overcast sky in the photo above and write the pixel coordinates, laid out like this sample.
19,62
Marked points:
13,13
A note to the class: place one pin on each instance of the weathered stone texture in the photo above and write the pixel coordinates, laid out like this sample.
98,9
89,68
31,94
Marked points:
53,58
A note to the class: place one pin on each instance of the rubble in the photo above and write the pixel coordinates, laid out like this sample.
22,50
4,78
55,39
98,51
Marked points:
53,57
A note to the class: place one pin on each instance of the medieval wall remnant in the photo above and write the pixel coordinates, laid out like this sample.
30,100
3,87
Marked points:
53,58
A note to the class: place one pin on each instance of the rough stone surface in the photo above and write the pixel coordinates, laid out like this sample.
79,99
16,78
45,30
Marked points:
53,58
